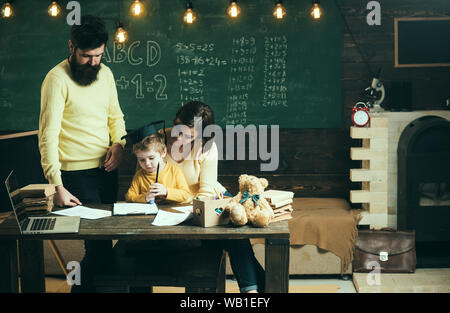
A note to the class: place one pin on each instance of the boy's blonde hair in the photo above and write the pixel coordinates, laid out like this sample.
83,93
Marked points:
153,142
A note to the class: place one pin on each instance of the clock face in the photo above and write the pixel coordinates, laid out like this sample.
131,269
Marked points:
361,118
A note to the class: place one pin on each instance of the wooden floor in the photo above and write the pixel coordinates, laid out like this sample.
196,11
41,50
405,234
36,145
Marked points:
59,285
423,280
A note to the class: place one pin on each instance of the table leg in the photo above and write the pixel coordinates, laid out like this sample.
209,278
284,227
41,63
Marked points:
277,265
8,267
31,259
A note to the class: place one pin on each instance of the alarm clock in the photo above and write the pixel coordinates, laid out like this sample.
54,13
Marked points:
360,116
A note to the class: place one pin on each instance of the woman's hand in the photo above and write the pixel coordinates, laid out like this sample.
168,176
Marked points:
156,190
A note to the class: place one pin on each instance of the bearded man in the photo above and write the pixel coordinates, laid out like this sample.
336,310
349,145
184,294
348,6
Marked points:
80,127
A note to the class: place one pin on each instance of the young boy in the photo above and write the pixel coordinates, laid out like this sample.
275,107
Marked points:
171,184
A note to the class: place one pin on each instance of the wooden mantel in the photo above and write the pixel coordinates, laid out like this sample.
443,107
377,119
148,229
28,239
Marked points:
378,172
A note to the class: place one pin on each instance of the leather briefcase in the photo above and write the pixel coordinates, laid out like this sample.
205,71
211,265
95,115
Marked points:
386,250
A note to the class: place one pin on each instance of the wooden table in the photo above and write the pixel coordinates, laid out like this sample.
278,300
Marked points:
31,256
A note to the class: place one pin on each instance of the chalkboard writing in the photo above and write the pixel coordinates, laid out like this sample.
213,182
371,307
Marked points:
252,70
242,71
275,84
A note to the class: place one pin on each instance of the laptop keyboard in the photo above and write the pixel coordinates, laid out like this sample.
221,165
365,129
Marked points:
24,224
43,224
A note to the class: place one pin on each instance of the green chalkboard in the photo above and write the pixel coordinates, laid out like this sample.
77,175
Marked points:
253,70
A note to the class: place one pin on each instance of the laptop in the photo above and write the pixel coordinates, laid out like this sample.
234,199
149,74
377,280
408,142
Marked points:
37,224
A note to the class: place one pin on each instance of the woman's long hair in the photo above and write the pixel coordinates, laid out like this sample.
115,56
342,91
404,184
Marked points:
190,112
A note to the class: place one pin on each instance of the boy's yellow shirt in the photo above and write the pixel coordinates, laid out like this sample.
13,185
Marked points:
171,177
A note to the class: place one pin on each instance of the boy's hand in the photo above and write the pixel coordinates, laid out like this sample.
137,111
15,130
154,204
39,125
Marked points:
156,190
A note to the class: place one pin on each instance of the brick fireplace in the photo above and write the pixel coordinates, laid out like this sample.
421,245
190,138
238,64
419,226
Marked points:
379,164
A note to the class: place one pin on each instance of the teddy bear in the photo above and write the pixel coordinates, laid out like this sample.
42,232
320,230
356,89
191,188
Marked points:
249,205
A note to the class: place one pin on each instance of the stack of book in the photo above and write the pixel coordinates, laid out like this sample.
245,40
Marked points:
37,199
281,203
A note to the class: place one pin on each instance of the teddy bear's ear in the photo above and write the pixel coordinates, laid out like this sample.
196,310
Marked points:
242,178
264,182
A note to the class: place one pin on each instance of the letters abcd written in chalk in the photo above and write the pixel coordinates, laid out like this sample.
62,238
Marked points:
140,133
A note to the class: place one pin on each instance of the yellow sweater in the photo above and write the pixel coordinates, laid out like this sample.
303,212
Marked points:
77,123
171,177
200,171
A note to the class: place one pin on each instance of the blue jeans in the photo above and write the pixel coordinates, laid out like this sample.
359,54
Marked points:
248,272
92,186
246,268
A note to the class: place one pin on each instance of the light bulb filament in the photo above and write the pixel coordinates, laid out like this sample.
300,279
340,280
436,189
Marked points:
233,9
316,12
121,35
54,9
7,10
189,16
137,8
279,11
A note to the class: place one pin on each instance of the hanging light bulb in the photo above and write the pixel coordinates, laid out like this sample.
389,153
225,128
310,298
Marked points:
54,9
279,12
316,11
189,16
233,10
121,35
137,8
7,10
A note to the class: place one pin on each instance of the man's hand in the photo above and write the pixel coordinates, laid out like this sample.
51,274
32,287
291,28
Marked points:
113,157
64,198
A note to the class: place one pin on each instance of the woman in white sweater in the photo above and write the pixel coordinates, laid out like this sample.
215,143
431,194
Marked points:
197,157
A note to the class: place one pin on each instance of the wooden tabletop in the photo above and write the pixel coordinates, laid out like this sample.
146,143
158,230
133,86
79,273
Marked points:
140,227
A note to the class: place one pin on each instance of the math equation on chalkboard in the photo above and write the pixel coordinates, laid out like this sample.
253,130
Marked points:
252,72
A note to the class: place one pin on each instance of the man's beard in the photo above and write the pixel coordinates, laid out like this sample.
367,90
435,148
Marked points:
83,74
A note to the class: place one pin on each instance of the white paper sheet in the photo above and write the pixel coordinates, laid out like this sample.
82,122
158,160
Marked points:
84,212
165,218
134,208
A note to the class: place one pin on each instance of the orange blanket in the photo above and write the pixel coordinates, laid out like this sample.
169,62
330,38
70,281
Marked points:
327,223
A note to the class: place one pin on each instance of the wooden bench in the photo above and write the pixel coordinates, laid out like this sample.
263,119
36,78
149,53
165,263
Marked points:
198,269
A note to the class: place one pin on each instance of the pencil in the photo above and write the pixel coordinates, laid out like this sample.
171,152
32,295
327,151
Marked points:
218,196
157,173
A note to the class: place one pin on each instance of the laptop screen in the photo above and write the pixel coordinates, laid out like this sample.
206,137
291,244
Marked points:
15,198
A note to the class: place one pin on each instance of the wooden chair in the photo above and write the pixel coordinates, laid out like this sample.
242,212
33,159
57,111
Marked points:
198,269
